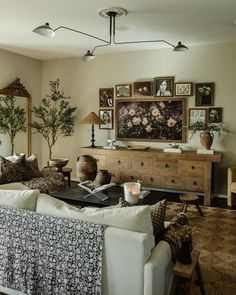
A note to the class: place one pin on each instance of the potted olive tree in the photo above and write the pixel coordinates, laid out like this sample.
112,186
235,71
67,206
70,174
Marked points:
55,117
12,118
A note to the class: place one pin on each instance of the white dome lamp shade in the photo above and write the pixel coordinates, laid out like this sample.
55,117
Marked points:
87,57
45,30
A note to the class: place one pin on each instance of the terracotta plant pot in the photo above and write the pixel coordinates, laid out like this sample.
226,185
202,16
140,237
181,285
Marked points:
206,139
86,168
103,177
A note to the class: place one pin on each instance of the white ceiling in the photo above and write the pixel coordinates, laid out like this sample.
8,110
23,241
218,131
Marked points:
191,21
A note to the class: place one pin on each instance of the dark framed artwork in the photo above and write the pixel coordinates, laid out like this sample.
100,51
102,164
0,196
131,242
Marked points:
197,115
106,97
153,120
143,89
107,116
204,94
123,90
184,89
164,86
215,115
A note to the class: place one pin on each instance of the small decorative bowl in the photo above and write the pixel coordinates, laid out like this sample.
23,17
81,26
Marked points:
58,163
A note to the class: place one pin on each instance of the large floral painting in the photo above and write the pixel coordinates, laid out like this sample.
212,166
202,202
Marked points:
156,120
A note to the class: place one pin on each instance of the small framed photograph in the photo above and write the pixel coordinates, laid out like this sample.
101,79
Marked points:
215,115
123,90
107,116
184,89
143,89
204,94
164,86
106,97
197,115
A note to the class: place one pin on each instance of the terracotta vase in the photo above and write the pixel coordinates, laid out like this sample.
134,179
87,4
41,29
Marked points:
103,177
86,168
206,139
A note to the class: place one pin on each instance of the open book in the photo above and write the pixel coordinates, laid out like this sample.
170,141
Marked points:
93,189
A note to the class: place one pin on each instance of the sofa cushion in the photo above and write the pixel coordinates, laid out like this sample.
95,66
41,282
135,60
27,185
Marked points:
13,186
12,171
136,218
24,199
158,212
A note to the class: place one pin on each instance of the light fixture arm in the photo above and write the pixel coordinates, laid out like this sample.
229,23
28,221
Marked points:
113,17
86,34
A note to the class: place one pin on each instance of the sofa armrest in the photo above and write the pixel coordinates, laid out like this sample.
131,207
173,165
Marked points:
124,257
14,186
158,271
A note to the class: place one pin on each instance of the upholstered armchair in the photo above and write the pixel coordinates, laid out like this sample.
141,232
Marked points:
231,201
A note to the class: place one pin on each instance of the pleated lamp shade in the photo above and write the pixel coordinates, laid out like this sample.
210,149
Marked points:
91,118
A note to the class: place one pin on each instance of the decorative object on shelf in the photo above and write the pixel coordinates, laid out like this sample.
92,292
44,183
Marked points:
206,139
106,97
173,148
58,163
143,89
55,116
92,119
215,115
132,191
111,145
200,126
183,89
123,90
103,177
153,120
164,86
106,117
204,94
137,147
111,13
86,168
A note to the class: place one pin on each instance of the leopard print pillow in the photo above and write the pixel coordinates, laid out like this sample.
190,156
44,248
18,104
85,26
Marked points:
12,171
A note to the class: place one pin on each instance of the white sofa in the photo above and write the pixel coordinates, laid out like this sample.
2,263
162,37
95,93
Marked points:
132,264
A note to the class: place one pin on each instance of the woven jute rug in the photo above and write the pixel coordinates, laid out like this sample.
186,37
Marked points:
214,236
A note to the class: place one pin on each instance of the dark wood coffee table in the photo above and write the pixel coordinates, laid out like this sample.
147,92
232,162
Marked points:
76,196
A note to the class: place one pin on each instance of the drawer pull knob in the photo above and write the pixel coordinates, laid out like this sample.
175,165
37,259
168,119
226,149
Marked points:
195,183
151,179
172,180
131,177
119,162
166,165
193,167
142,164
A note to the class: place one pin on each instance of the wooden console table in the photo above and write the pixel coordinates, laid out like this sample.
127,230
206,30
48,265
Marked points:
186,171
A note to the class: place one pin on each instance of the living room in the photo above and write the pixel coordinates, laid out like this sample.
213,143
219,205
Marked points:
205,61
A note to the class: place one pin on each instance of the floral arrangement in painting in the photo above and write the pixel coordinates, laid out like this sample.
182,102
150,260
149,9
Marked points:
157,120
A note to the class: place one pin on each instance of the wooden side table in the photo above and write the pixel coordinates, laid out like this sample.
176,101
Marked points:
190,199
187,272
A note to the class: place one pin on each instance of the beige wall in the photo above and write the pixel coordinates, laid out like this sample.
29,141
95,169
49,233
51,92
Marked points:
29,71
209,63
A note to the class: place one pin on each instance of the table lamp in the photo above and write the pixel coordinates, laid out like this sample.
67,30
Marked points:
92,119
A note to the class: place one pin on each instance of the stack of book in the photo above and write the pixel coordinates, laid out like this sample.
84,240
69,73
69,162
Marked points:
171,149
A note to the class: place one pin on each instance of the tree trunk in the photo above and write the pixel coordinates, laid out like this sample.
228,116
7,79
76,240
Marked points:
12,146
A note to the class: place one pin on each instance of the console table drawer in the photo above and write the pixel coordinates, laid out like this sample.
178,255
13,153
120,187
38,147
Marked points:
132,177
141,164
116,176
118,162
165,166
195,168
101,161
195,184
151,180
173,182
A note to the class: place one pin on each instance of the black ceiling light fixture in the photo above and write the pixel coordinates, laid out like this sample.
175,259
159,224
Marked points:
111,13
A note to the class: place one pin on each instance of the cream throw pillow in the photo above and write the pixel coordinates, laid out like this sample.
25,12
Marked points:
136,218
24,199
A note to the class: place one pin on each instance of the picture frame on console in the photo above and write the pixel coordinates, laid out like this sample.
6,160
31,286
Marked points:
164,86
106,97
143,89
183,89
197,115
123,90
107,116
151,119
204,94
